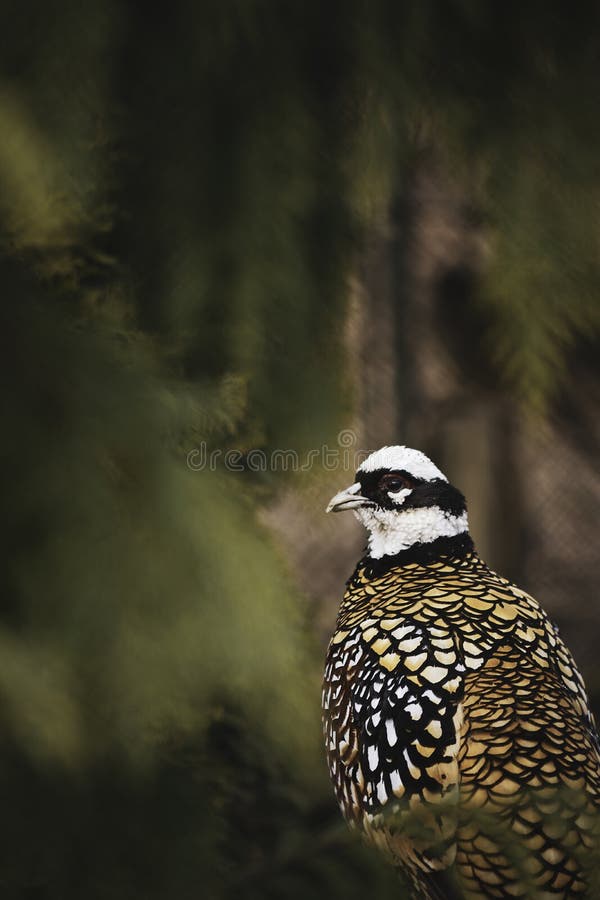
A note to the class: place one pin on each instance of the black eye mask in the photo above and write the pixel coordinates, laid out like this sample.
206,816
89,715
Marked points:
376,485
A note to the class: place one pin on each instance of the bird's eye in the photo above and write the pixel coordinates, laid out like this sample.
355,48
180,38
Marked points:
393,483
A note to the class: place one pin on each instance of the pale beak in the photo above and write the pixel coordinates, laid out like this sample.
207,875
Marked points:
350,498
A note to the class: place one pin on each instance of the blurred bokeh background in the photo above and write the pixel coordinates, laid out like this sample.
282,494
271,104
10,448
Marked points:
252,225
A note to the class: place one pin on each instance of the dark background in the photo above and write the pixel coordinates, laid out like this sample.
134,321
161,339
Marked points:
250,225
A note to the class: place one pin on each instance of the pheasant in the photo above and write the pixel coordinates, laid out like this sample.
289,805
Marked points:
458,731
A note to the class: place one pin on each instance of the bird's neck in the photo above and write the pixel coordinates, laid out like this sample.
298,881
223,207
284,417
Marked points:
454,548
393,532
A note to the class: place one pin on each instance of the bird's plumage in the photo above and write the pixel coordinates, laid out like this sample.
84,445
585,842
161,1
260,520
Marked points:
457,727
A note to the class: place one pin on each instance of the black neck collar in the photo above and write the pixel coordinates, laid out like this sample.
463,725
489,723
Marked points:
455,547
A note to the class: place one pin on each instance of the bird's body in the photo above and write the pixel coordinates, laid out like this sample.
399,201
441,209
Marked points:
457,726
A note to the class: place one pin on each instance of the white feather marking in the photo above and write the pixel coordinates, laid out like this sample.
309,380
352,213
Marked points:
404,458
434,674
373,756
356,658
403,630
398,497
409,644
395,780
381,791
391,531
433,697
472,663
390,732
416,774
415,711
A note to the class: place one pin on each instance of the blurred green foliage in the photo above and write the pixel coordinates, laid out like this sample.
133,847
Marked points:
183,195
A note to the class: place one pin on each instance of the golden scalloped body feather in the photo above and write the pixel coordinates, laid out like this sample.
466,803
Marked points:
458,732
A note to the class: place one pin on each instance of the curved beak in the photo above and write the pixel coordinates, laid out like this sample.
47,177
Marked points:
350,498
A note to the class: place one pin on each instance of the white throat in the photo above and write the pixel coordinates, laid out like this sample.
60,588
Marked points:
391,531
